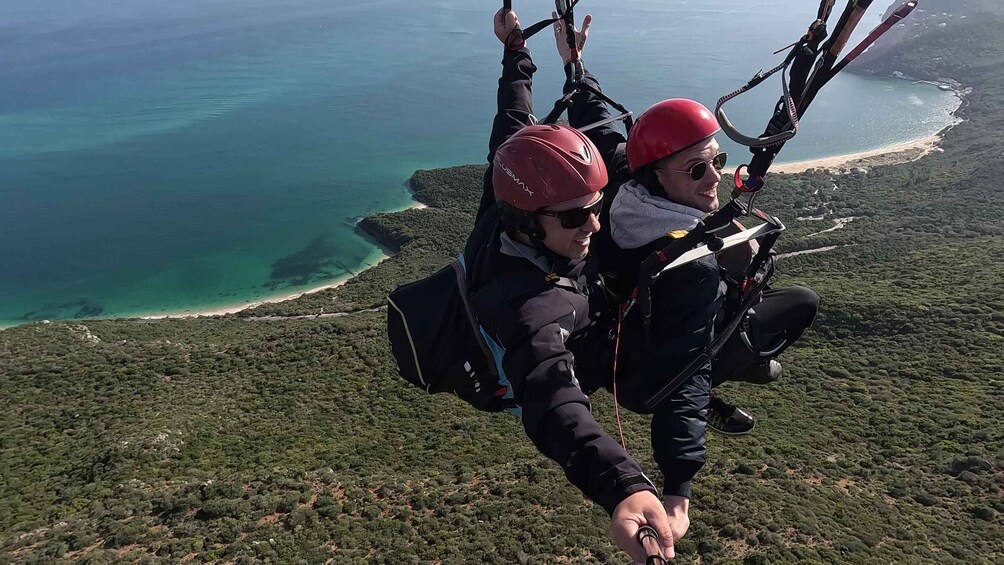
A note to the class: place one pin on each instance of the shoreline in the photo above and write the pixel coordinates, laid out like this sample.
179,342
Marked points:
384,254
240,307
893,154
217,311
381,254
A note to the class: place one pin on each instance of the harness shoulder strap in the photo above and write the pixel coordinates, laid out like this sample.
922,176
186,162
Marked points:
566,283
511,285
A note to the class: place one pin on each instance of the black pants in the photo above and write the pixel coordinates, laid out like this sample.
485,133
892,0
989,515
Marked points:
679,421
782,316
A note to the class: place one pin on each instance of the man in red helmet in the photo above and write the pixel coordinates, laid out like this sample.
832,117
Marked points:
551,342
664,179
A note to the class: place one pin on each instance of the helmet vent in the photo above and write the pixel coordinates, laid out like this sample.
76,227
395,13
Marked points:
583,154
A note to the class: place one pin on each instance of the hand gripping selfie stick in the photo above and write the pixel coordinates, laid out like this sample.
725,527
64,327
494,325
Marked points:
649,539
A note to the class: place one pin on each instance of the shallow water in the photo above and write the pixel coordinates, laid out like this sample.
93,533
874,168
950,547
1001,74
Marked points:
168,156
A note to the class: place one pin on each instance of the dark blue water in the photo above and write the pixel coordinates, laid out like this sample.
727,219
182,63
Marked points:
158,157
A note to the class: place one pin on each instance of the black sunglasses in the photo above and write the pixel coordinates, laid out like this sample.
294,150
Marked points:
698,171
576,217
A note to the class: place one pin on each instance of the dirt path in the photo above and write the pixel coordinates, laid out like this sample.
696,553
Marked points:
839,223
808,251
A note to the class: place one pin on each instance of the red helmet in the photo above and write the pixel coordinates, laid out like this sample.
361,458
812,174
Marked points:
666,128
543,165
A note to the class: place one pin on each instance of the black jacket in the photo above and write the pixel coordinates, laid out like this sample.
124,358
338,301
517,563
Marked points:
551,339
686,303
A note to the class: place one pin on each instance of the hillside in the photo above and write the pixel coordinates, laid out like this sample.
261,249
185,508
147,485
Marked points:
935,21
275,436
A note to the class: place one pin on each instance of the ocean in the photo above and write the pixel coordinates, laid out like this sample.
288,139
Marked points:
158,157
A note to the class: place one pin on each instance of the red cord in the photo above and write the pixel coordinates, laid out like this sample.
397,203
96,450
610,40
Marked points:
617,347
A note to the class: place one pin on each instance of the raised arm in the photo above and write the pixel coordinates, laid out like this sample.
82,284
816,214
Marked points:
586,107
515,104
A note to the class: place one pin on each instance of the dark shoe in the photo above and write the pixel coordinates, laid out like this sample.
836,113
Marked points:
762,374
727,419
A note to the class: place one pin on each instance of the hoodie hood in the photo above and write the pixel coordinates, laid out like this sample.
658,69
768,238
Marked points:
637,218
545,259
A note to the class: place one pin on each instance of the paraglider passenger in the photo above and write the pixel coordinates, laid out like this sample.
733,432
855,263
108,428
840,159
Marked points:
663,178
546,180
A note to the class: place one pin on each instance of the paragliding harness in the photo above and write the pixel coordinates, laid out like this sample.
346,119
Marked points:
805,70
438,343
744,291
809,65
691,246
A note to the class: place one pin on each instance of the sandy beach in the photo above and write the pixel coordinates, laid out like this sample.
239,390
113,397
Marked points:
238,307
889,155
234,308
414,205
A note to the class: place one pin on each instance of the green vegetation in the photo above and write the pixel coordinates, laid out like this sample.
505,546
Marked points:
255,439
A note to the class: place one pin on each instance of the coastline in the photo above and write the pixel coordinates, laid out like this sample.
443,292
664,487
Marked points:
383,255
239,307
889,155
894,154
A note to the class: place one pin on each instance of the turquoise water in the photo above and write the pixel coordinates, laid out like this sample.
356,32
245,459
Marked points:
159,157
